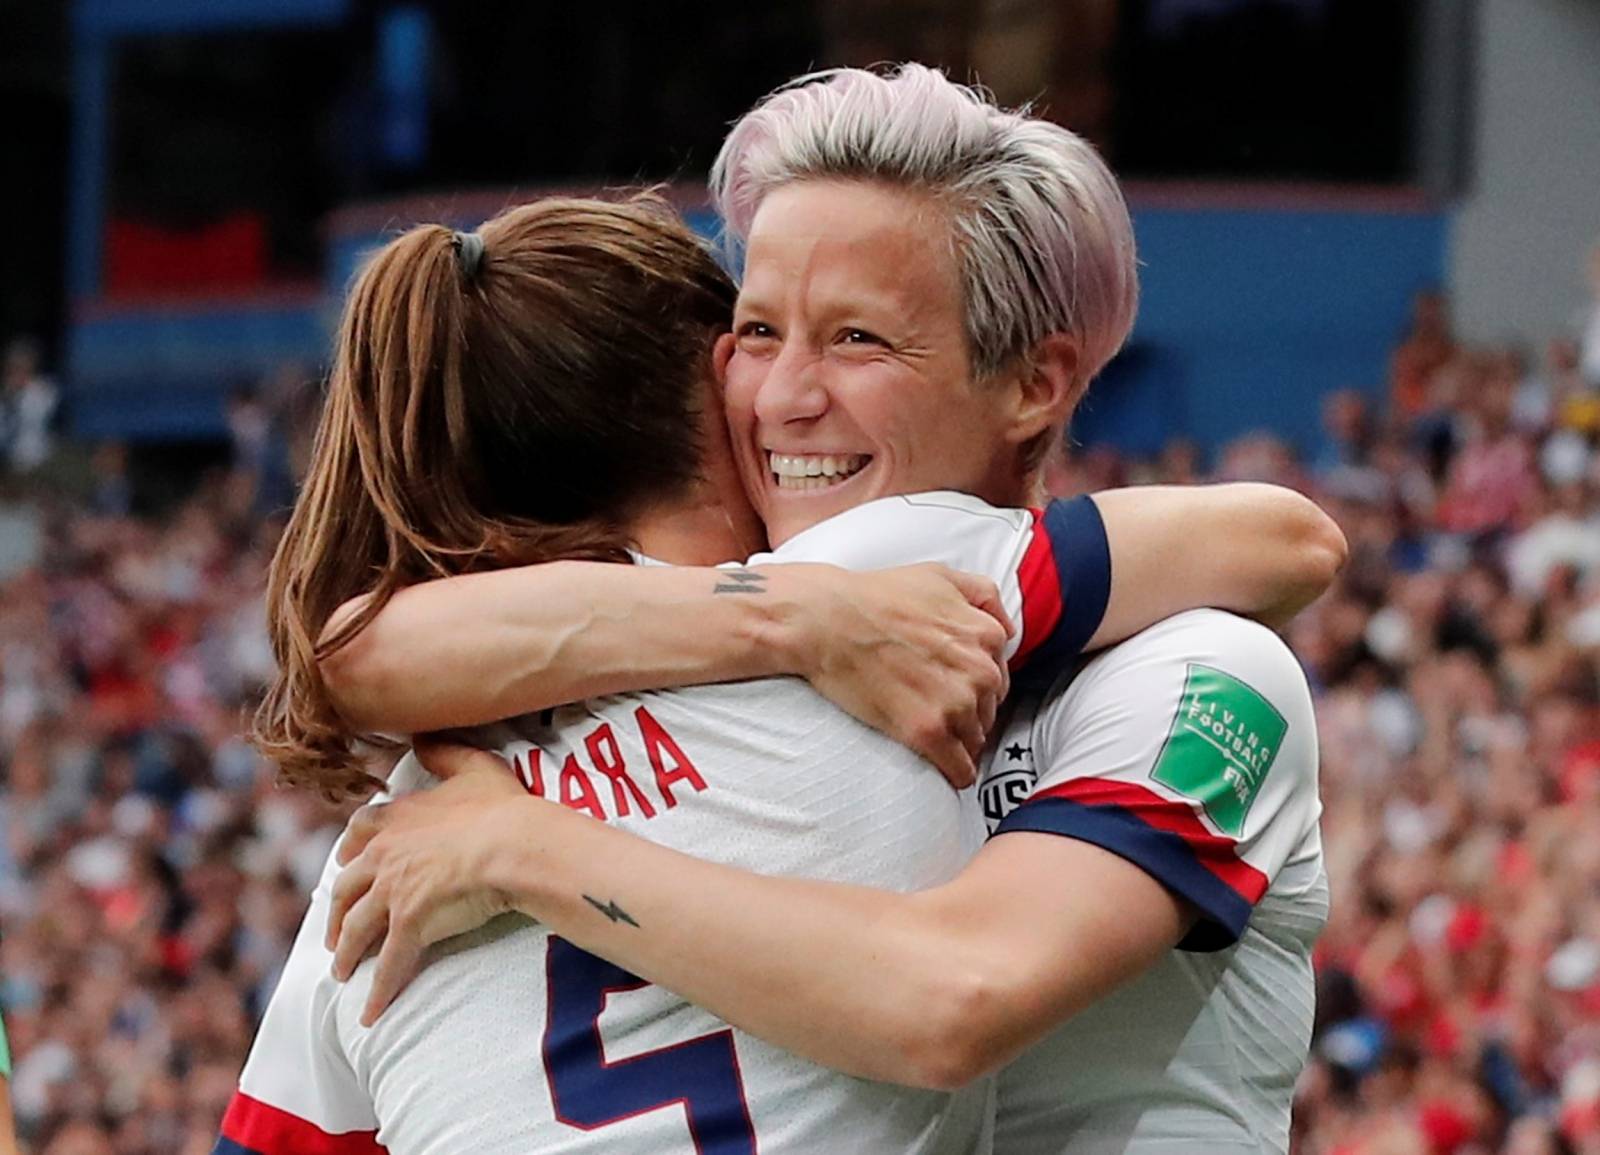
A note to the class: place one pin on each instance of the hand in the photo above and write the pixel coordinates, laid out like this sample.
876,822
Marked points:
916,652
414,870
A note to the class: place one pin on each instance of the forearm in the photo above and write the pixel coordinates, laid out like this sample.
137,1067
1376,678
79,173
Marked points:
869,982
472,649
1261,551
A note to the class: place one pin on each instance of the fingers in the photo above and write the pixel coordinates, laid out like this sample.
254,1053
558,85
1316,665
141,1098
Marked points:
363,926
972,735
952,761
943,740
988,710
353,882
365,825
398,963
983,594
444,759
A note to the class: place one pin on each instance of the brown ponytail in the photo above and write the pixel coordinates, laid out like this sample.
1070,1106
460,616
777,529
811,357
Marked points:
477,418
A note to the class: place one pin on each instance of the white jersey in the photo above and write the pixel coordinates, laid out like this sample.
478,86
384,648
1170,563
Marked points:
1191,751
512,1041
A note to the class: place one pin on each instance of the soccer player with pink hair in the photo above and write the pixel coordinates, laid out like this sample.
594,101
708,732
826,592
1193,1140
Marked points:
930,284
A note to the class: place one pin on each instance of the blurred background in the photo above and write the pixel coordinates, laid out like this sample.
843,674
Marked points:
1369,234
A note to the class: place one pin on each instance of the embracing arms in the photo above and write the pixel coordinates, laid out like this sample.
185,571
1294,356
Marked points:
1089,881
474,649
914,652
1261,551
932,989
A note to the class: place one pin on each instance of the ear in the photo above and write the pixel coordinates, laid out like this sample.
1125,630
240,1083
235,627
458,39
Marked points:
1048,389
721,354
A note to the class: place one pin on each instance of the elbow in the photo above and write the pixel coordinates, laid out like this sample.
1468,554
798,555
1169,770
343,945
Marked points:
354,674
1322,550
1306,548
1315,553
960,1036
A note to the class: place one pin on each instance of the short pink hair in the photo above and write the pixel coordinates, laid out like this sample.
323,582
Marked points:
1040,230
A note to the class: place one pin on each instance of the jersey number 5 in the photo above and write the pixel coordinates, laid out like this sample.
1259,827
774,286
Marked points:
589,1092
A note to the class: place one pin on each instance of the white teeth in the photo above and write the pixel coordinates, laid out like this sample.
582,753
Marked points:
814,471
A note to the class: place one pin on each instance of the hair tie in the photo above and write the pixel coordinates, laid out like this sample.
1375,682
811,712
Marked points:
469,253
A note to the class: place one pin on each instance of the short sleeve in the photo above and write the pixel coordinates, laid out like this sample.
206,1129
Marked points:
1052,566
298,1095
1189,750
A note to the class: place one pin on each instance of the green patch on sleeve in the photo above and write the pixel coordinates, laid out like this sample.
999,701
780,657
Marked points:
1223,741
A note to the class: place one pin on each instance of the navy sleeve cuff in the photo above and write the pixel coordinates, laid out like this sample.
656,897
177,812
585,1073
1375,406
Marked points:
1082,555
1164,856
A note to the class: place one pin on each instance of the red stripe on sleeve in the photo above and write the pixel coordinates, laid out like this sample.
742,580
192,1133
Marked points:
262,1128
1215,852
1040,582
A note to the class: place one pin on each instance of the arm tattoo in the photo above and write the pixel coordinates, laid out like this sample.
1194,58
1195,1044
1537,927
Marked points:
740,581
611,910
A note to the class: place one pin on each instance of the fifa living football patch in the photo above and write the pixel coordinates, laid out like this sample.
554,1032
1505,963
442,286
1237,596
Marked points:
1221,745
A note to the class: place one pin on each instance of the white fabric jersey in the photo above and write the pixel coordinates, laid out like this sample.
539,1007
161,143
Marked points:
1191,751
1052,565
512,1041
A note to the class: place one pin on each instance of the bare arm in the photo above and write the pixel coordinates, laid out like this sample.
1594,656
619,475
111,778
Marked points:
900,653
914,652
1090,880
472,649
1261,551
982,967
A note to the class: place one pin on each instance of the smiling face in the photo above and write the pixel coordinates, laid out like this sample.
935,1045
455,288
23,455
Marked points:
847,376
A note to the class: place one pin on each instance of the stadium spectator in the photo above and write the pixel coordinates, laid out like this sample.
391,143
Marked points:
1425,347
28,402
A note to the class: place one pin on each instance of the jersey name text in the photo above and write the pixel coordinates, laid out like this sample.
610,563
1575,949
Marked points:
604,785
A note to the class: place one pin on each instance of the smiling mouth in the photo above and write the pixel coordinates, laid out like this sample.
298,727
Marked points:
813,471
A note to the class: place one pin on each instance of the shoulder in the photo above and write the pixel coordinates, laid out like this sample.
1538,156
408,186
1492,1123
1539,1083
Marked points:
1239,645
1203,662
954,528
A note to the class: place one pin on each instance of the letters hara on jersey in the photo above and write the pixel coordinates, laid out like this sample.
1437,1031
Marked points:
1221,745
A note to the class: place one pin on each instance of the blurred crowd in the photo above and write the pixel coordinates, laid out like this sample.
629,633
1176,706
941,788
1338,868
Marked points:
151,877
1456,665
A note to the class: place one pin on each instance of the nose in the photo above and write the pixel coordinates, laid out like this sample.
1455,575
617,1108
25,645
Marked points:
794,389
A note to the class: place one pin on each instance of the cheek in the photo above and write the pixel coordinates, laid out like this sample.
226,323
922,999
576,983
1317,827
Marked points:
885,404
740,386
950,436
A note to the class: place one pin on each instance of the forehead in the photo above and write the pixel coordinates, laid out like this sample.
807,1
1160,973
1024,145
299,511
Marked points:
867,243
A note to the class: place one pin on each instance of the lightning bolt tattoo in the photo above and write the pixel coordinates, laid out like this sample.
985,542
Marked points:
740,581
611,910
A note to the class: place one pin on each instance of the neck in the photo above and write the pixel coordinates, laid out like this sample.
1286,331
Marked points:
694,532
715,522
1014,488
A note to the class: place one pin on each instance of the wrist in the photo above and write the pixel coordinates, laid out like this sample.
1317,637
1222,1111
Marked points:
513,859
779,629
